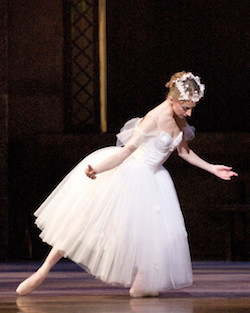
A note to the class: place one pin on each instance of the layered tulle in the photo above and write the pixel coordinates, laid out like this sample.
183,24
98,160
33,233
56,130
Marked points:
125,222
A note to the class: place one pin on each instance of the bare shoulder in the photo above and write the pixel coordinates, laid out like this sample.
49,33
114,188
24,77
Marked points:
148,124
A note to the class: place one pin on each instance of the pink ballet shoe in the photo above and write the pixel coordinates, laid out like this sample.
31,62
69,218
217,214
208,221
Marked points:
30,284
141,293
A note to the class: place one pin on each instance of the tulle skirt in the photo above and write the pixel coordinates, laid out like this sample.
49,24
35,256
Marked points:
125,222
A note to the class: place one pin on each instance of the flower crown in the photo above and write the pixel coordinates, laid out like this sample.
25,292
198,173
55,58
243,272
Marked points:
182,88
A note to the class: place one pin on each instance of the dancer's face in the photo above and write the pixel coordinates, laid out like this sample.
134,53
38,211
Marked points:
183,108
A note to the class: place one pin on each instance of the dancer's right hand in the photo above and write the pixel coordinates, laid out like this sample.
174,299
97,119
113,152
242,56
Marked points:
90,172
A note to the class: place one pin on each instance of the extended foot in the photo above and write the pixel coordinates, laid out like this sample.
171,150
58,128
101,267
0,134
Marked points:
140,293
30,284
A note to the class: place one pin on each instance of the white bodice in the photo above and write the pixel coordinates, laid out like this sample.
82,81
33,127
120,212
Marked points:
152,149
156,150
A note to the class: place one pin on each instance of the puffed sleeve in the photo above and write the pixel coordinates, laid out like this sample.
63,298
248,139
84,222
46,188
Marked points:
189,132
131,135
127,131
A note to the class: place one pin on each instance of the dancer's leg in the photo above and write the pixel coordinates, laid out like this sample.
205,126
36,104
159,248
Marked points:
38,277
139,287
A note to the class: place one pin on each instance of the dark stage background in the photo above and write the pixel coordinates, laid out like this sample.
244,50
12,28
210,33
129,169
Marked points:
147,41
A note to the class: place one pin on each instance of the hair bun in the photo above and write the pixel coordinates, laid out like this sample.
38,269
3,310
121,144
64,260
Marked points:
170,84
185,86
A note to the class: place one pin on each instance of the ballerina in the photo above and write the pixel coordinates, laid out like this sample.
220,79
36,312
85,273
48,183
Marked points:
125,225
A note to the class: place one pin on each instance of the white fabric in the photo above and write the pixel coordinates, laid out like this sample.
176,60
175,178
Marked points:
132,135
127,220
127,131
189,132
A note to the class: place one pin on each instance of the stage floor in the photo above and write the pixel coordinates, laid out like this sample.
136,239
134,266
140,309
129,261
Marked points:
219,287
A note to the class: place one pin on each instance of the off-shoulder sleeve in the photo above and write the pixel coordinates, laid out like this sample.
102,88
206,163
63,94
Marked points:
131,134
127,131
189,132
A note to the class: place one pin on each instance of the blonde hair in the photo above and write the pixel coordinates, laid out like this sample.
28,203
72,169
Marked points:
191,86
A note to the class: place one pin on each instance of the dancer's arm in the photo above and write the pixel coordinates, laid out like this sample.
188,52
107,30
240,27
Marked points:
221,171
146,127
110,162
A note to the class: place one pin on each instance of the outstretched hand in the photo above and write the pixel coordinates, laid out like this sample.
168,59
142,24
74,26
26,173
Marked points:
223,172
90,172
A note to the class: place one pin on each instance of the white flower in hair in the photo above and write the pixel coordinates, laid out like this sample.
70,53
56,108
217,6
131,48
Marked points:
182,88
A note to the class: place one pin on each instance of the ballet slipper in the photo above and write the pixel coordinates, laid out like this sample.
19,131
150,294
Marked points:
138,288
30,284
140,293
35,280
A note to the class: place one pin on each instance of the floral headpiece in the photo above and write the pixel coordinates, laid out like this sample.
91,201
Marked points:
182,88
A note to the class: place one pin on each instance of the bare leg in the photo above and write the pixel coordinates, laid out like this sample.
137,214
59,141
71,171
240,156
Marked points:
35,280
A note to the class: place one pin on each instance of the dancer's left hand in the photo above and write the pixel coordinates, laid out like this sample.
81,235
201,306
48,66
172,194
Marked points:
223,172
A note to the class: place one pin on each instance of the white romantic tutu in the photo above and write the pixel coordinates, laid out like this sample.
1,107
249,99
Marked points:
125,221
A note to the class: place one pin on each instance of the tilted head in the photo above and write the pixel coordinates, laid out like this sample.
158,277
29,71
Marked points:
184,86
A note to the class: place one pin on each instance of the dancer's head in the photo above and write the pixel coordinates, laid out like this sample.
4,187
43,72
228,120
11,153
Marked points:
185,90
184,86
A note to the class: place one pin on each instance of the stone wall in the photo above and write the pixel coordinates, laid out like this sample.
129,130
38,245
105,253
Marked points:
35,103
35,67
